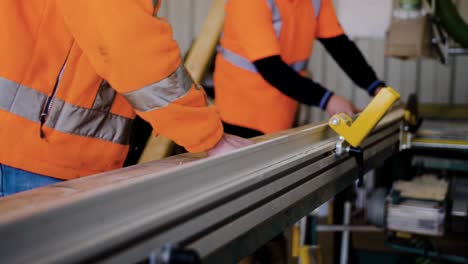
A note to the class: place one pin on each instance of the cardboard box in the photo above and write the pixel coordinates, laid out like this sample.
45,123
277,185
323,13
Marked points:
410,38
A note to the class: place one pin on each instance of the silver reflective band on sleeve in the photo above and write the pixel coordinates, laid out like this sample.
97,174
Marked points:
76,120
243,63
161,93
28,103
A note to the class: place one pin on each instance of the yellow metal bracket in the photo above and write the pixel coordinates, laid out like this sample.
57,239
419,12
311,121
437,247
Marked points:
355,132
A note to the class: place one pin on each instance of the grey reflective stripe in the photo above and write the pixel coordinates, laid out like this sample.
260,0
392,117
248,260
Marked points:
161,93
237,60
21,100
276,17
317,5
28,103
277,25
243,63
92,123
104,97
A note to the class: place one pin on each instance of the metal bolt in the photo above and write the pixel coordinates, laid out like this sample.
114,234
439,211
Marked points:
335,121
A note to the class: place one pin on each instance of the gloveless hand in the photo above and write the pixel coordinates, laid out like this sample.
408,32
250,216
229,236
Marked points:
338,104
229,143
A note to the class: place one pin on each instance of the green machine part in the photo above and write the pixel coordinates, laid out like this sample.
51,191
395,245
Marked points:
452,22
410,4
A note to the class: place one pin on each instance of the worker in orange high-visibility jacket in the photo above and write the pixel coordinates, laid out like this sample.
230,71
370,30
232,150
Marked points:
73,74
261,61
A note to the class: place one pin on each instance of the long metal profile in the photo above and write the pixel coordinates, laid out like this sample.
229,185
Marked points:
439,144
213,205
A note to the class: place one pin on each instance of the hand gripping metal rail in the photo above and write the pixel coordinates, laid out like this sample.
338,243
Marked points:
222,208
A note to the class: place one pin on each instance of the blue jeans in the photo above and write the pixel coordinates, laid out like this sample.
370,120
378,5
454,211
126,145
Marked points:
14,180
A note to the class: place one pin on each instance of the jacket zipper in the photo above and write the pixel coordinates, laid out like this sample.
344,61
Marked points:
50,101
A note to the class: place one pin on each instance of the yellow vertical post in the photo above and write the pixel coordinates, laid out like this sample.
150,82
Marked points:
305,255
296,240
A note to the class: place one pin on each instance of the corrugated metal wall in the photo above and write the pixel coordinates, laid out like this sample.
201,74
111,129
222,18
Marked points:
433,82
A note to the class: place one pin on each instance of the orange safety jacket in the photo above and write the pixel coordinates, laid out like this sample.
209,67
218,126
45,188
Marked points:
73,74
256,29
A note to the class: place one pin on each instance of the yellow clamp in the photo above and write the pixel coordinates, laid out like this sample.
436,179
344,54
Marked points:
354,133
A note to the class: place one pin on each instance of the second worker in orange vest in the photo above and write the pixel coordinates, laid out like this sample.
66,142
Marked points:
263,54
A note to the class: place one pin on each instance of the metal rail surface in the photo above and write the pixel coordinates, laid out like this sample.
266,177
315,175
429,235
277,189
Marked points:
223,207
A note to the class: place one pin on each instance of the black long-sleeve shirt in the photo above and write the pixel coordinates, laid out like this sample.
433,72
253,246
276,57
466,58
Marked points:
276,72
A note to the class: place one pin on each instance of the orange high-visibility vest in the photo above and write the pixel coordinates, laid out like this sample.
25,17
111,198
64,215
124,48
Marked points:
73,74
256,29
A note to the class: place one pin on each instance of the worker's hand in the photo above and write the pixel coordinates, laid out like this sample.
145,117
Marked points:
229,143
338,104
377,90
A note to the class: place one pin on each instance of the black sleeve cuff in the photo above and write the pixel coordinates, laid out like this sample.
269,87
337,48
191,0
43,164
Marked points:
325,99
373,87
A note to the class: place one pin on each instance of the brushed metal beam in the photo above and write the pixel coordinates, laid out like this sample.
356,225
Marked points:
213,205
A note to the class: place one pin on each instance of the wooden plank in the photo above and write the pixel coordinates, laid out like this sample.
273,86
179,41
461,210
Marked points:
156,148
196,63
205,45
